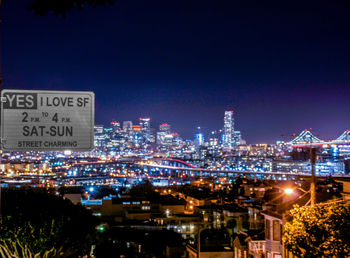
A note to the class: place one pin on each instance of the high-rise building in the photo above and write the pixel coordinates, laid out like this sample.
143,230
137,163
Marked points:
127,126
99,136
213,142
115,126
199,139
165,127
98,129
237,139
136,128
161,138
145,124
228,134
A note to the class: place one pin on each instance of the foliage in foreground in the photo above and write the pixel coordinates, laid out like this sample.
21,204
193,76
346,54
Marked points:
319,231
35,223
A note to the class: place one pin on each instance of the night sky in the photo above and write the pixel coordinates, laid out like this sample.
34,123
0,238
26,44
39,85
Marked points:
282,66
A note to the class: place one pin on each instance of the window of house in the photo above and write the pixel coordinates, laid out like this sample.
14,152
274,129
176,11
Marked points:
267,229
276,230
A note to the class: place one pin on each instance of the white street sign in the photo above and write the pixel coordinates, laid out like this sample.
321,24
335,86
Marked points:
47,120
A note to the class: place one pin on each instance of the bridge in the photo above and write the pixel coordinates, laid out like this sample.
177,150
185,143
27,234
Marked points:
307,139
173,162
177,169
183,170
178,172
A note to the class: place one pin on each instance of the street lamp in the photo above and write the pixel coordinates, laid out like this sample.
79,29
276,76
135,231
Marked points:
288,191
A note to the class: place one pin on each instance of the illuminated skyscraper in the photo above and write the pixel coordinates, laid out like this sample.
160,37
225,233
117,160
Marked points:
100,137
98,129
199,139
145,124
228,135
237,138
165,127
116,126
127,126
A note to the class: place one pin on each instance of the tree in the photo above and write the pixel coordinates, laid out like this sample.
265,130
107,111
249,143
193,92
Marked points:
231,224
319,231
212,237
144,190
60,7
36,223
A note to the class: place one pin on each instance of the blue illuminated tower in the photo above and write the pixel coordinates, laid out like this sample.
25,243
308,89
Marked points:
145,124
228,134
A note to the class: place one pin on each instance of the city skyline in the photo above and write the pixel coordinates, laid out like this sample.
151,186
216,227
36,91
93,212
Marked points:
282,67
174,129
207,132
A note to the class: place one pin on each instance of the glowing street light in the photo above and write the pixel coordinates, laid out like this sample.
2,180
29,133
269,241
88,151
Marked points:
288,191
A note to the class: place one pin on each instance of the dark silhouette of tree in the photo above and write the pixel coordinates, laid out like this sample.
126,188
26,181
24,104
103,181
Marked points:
69,190
143,190
35,222
231,224
163,238
214,237
60,7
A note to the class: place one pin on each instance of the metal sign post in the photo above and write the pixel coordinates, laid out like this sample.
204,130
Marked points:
47,120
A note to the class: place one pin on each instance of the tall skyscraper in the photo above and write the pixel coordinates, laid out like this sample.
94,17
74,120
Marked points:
145,124
127,126
228,134
199,139
237,138
99,136
165,127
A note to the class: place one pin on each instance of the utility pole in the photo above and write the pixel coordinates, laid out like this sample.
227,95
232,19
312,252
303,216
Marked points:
313,176
199,240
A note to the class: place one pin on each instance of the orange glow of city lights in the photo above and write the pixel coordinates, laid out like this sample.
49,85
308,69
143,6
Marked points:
288,191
